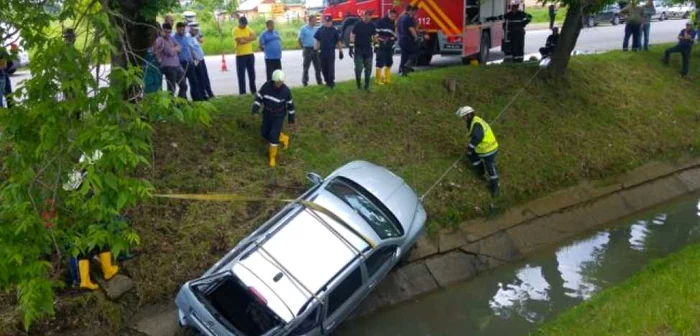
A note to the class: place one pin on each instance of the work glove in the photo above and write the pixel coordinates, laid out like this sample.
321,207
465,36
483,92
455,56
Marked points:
351,53
340,55
255,109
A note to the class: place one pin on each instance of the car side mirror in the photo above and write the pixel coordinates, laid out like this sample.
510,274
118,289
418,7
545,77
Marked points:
314,178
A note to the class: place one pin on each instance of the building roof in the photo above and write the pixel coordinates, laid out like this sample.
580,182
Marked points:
250,5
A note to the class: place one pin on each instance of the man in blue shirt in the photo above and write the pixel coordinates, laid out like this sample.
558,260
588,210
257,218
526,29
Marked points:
327,40
408,40
187,58
686,38
271,44
200,62
306,42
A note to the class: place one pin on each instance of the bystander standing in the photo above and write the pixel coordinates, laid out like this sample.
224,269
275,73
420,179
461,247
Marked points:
166,51
245,59
633,25
649,11
271,44
200,62
327,40
188,60
310,55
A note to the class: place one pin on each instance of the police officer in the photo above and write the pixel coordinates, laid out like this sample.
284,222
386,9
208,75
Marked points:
514,25
386,31
327,40
276,100
482,148
408,40
361,39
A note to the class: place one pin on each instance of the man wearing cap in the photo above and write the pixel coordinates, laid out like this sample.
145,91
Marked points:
482,148
276,100
686,38
306,42
187,60
200,63
271,44
167,51
245,59
363,35
386,31
408,40
327,40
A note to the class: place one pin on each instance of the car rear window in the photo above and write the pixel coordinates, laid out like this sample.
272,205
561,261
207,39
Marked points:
367,206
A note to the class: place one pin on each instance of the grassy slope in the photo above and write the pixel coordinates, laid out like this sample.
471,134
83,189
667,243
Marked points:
661,300
541,14
617,112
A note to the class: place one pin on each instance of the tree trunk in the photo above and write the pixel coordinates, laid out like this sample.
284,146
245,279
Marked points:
573,23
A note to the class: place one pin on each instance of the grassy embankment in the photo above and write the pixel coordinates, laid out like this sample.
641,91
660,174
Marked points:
616,112
660,300
541,14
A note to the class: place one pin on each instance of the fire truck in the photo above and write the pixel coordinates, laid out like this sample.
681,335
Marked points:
469,28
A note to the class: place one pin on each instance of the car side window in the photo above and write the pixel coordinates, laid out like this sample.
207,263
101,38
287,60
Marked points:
378,259
309,323
344,291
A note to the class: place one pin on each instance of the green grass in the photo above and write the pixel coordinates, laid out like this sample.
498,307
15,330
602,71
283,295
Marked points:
660,300
216,42
615,112
541,14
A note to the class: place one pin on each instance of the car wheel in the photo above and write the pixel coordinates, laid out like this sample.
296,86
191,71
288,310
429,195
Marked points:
663,17
615,20
686,15
590,22
424,58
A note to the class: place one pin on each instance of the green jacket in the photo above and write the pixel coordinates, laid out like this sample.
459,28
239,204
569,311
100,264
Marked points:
152,77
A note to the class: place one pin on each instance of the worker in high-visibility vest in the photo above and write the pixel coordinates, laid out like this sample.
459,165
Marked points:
482,148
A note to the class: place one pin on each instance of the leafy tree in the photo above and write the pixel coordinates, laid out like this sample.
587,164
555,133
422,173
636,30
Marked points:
69,107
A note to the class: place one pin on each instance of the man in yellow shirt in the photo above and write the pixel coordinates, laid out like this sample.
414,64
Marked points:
245,59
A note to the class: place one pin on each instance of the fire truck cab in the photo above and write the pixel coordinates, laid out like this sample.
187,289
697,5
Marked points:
469,28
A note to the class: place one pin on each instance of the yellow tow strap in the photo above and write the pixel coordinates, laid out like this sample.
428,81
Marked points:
239,198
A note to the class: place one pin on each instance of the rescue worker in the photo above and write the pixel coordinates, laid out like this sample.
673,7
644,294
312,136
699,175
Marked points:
482,148
551,43
386,31
514,25
363,35
80,264
276,100
408,40
327,40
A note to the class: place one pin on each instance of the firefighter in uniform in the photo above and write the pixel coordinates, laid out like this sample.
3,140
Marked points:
276,100
514,26
482,148
386,31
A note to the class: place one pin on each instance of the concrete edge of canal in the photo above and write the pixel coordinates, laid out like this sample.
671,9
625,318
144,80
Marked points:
482,244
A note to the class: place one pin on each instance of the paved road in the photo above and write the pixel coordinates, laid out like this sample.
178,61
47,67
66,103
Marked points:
591,39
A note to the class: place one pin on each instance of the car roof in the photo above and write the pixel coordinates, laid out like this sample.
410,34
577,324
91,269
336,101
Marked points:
309,250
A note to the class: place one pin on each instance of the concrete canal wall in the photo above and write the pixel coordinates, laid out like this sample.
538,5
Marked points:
482,244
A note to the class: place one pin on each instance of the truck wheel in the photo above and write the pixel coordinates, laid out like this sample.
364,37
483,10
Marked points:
484,48
424,58
346,34
663,17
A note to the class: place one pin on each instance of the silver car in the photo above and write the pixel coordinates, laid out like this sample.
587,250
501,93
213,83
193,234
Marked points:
308,267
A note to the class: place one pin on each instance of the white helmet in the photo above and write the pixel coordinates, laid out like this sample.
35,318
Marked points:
278,76
464,110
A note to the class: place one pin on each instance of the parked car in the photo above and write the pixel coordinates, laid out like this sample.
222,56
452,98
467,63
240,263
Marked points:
661,8
682,11
610,13
305,269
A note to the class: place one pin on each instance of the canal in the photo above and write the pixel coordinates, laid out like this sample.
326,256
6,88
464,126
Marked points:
515,298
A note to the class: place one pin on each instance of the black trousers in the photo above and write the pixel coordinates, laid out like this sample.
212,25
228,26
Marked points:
633,30
385,56
409,53
271,65
246,63
328,67
552,17
363,62
191,73
546,51
517,42
482,164
203,79
272,126
175,76
685,54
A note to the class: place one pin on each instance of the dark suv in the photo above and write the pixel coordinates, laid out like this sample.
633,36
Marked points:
610,13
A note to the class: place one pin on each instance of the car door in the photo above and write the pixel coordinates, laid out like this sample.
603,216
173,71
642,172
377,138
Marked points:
342,298
379,263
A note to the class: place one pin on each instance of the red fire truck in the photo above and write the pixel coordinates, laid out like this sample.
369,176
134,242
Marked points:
469,28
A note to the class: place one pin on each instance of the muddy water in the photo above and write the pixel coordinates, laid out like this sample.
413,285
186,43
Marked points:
514,299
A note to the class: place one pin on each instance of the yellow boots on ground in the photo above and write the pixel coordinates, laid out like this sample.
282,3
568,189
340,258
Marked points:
383,76
109,270
284,140
378,77
387,75
272,151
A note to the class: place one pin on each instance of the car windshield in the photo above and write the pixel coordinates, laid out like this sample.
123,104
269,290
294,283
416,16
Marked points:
367,206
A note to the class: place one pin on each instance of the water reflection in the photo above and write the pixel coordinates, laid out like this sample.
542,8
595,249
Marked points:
530,285
638,235
576,260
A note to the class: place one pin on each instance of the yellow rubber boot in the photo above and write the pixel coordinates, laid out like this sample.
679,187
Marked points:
284,140
108,269
378,77
84,269
272,156
387,75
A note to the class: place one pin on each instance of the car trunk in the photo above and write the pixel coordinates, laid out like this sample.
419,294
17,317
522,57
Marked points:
241,307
